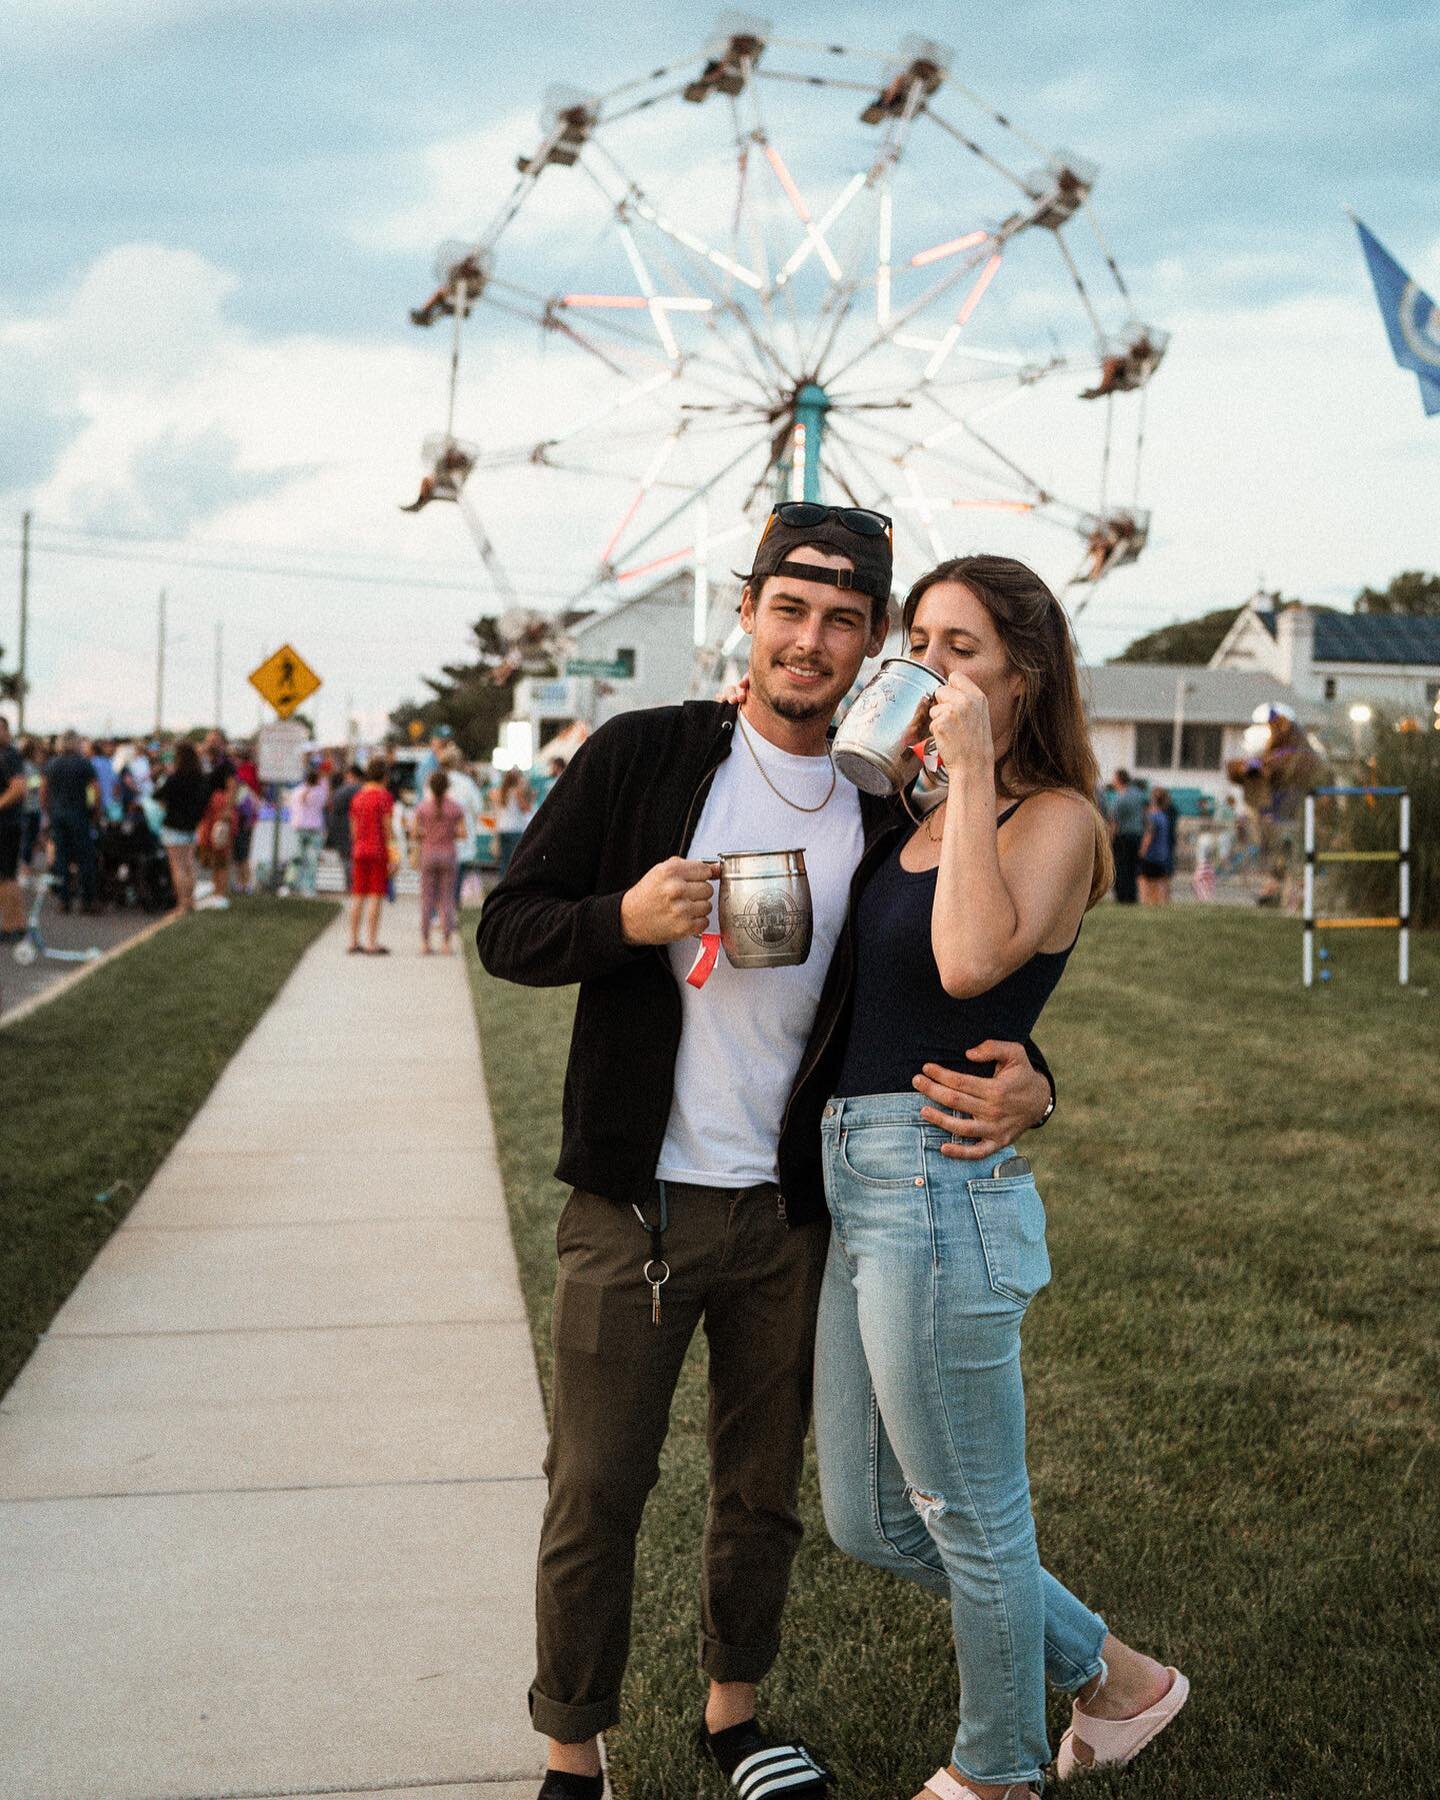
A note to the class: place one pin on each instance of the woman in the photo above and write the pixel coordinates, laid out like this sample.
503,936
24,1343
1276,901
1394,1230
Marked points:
183,795
438,826
514,809
307,814
962,928
1157,850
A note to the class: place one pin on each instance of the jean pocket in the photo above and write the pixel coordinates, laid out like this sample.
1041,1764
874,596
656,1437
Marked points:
890,1155
1010,1217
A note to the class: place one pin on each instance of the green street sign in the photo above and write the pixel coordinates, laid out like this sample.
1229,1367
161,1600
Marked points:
603,671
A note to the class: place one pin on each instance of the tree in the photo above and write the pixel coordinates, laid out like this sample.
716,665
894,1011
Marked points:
1186,641
474,699
1412,594
12,684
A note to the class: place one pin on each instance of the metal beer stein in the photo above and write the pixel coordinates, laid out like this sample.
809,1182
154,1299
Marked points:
766,921
873,745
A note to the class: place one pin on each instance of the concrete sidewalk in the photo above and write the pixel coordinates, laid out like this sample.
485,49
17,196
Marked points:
270,1487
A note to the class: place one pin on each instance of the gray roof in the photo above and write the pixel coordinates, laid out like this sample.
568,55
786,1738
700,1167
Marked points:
674,590
1376,638
1145,692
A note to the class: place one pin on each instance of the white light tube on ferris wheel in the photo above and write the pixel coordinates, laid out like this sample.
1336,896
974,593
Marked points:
792,193
647,481
921,502
698,245
883,248
967,307
802,253
647,287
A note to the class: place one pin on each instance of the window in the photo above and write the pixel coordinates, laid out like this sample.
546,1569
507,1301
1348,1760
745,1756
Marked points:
1330,687
1200,746
625,663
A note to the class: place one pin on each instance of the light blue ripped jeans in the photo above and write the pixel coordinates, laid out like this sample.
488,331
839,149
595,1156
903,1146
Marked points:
920,1413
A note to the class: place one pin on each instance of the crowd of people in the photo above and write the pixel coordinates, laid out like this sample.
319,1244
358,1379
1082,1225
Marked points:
170,822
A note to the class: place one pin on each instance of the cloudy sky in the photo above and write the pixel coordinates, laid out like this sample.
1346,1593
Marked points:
218,212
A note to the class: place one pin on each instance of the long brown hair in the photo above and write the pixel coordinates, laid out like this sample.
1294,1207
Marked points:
1049,745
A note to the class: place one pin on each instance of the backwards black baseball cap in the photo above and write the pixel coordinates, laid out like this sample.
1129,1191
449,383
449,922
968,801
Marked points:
855,532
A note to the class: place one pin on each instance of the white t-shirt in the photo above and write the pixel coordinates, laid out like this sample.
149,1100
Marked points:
467,796
743,1034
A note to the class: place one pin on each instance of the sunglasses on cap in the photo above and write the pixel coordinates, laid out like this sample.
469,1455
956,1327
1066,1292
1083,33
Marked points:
808,513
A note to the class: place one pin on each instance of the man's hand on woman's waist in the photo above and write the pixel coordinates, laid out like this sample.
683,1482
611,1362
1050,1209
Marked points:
1000,1107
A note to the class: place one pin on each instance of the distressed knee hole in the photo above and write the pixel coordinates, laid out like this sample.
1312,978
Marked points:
929,1506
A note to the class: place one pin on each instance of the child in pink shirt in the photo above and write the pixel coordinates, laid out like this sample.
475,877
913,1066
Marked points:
439,823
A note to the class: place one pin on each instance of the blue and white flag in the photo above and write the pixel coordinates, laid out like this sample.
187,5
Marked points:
1412,320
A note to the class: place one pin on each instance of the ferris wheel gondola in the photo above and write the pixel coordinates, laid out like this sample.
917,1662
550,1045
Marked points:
801,326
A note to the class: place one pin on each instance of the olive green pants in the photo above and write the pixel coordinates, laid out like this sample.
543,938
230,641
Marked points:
755,1283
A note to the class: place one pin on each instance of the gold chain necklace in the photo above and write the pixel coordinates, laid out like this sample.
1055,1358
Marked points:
934,813
771,785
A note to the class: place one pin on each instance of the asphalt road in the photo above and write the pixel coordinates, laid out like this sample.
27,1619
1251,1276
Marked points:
78,931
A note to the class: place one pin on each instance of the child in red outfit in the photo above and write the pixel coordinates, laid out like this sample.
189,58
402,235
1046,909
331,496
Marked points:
370,812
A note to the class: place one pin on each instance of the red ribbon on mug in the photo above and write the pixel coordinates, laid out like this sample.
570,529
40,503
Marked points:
704,964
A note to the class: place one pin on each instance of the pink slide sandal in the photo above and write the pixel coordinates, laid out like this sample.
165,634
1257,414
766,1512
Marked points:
1113,1741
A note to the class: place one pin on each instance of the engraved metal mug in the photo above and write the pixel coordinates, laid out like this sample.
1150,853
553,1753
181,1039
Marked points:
873,745
766,921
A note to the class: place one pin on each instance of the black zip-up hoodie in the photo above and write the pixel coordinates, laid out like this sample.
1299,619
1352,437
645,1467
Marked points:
629,799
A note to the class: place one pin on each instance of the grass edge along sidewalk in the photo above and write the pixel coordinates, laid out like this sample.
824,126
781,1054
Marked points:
1232,1380
101,1081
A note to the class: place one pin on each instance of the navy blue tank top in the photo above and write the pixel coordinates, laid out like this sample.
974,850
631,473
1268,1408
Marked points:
902,1017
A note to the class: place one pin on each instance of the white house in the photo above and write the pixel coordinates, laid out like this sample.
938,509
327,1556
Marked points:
639,653
1179,724
1389,663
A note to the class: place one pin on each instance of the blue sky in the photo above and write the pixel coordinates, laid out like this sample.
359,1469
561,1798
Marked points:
219,211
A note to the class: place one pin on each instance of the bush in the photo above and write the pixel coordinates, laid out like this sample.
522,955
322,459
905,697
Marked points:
1408,759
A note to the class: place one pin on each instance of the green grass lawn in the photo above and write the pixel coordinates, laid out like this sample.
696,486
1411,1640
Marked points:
1232,1379
100,1082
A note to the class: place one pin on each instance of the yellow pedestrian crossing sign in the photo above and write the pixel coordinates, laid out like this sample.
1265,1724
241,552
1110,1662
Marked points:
285,679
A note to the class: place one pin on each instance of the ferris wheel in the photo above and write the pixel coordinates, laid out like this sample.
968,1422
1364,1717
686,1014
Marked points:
787,269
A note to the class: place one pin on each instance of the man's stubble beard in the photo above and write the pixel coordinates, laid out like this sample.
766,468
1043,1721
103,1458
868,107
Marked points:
796,711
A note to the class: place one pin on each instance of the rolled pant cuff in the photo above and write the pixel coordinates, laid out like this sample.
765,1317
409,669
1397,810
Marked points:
735,1662
571,1724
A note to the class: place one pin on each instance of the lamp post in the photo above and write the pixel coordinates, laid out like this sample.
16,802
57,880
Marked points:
1182,688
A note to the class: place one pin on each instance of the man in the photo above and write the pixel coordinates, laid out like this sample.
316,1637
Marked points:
697,1184
1127,828
337,814
12,832
68,796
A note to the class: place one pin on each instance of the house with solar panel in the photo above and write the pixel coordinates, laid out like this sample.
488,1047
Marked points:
1388,662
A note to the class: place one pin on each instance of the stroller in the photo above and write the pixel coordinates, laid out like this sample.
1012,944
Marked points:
134,870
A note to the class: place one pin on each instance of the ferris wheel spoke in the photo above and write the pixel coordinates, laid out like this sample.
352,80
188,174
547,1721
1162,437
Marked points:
814,81
925,507
814,233
647,481
1080,287
1105,455
975,149
1003,120
888,333
705,489
1105,251
498,573
1140,443
636,198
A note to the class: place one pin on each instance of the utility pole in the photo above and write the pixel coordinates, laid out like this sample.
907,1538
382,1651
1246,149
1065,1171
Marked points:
219,675
24,617
160,669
